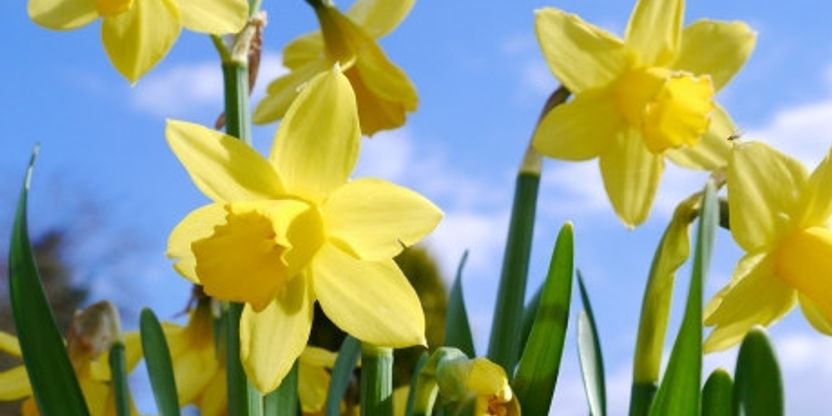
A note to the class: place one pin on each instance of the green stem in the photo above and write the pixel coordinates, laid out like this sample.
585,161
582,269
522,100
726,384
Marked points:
506,328
235,375
284,400
118,369
238,118
376,381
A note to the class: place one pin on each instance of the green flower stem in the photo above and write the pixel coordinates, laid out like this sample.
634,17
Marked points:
506,328
118,369
238,118
376,380
284,400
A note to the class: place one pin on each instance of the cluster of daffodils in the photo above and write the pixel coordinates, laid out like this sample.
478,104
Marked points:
291,232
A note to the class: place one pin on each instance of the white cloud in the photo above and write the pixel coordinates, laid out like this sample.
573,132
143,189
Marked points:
195,87
802,131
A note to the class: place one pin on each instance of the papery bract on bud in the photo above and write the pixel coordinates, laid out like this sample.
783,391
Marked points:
384,92
640,99
290,230
137,34
782,217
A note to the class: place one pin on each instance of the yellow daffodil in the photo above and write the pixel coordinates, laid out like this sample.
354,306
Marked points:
384,92
314,366
481,380
137,34
88,348
200,379
286,231
782,217
640,99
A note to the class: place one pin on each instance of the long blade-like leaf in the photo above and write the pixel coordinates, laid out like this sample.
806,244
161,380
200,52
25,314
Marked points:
679,392
118,369
537,371
589,354
341,374
457,328
159,366
717,394
528,317
51,374
758,386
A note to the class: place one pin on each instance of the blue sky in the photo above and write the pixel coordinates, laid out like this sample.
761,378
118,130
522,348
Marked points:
481,81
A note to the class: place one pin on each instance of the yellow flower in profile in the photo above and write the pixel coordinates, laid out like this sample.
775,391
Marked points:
640,99
480,380
137,34
286,231
384,92
88,349
782,217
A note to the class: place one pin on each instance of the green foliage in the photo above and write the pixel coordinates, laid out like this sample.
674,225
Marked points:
342,374
717,395
758,386
457,328
589,353
159,366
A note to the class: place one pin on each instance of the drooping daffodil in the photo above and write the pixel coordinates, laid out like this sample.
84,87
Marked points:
480,380
782,217
88,343
384,92
137,34
284,232
640,99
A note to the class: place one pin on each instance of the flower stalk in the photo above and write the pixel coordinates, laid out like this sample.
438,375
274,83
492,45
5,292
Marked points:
376,380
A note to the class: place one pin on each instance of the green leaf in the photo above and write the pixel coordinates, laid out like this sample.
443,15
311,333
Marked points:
717,394
50,372
504,345
457,328
118,368
758,389
672,252
341,374
679,392
284,400
589,354
528,316
414,382
537,372
159,366
376,380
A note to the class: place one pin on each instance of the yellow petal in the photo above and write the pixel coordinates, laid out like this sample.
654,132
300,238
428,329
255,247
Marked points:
194,367
763,188
304,49
62,14
379,17
816,202
214,398
272,339
9,344
139,38
718,49
313,379
317,143
371,301
375,113
199,224
803,259
631,176
655,30
376,218
814,315
581,55
713,149
214,16
282,91
14,384
384,79
318,357
487,379
581,129
247,259
222,167
755,296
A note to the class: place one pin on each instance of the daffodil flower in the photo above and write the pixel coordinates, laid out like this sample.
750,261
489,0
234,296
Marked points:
384,92
314,367
137,34
782,217
640,99
91,367
200,379
290,230
481,380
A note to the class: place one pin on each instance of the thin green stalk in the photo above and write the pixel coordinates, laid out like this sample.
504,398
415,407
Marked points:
237,387
238,118
504,345
118,369
376,381
284,400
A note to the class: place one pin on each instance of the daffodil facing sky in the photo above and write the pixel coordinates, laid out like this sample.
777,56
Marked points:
782,217
286,231
640,99
385,94
137,34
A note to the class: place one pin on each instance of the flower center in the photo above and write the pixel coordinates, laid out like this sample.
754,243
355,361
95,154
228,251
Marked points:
671,108
258,250
108,8
804,260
